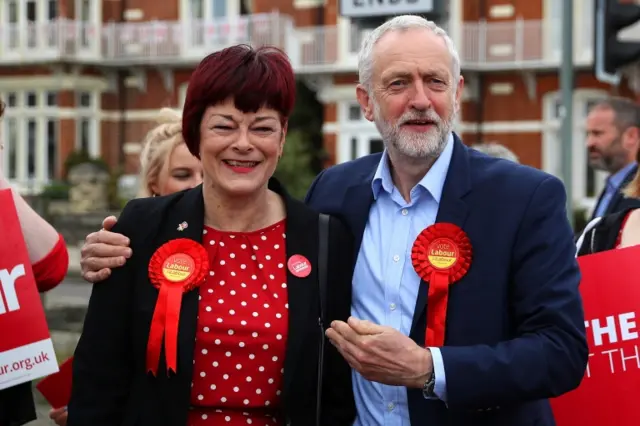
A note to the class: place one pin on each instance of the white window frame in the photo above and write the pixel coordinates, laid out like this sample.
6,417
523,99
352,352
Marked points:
197,39
343,113
182,93
42,11
38,38
90,113
88,32
363,140
363,130
552,144
232,9
41,113
583,17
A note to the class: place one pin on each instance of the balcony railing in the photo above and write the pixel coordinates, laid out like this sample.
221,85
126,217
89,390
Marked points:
483,46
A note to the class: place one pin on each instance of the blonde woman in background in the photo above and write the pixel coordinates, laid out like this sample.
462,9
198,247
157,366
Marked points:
166,166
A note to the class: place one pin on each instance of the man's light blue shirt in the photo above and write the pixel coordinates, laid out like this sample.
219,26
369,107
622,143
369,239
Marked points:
613,185
385,285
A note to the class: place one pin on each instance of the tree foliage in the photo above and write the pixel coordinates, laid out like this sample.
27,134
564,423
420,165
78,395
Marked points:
303,151
294,169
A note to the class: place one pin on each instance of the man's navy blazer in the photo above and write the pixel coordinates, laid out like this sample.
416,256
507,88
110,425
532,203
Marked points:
515,333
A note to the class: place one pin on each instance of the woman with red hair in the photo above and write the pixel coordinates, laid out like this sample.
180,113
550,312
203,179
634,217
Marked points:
49,261
219,315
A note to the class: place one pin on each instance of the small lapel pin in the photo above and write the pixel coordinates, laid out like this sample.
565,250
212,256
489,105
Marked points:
183,226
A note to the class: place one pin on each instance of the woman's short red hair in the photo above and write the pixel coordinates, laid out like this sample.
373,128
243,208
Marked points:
253,78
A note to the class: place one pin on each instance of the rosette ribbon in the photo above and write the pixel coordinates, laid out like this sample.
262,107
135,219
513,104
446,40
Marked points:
441,255
177,267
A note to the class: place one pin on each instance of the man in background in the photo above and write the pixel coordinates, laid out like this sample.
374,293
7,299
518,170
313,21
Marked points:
613,140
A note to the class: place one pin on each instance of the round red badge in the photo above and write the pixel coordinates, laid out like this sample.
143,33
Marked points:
299,266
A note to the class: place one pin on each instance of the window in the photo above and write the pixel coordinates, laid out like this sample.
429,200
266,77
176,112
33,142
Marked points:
30,133
52,12
12,11
355,113
86,139
358,144
196,8
32,128
84,12
219,8
359,29
10,140
11,16
11,100
376,145
52,99
209,10
31,9
583,19
52,148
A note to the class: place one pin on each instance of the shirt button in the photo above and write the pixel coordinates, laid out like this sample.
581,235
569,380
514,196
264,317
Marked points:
392,306
405,212
396,258
391,406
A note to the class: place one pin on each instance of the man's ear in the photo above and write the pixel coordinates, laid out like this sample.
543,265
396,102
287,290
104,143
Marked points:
459,90
365,102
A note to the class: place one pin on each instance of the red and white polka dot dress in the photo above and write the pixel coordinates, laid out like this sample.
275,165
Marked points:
242,330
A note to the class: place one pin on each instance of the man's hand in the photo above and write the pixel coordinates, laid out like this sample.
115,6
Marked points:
381,354
102,251
59,416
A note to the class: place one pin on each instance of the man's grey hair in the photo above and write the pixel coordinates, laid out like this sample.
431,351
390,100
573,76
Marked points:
626,111
496,150
402,23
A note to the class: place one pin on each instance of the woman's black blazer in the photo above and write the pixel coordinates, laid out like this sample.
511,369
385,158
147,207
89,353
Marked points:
16,405
110,384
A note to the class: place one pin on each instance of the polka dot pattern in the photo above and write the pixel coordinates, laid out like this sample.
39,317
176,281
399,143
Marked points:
242,330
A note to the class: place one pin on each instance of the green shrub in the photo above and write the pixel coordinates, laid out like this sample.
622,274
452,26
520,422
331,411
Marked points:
56,191
80,157
294,169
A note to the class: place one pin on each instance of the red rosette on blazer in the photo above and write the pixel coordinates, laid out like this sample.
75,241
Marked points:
177,267
441,255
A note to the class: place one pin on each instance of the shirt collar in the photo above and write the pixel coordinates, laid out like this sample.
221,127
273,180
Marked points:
616,179
433,181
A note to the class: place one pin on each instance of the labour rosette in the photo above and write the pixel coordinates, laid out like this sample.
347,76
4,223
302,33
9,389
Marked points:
441,255
177,267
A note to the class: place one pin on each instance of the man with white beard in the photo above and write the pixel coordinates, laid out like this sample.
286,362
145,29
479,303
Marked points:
466,309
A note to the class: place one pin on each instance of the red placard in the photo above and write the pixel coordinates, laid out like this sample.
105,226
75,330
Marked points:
608,393
26,351
56,388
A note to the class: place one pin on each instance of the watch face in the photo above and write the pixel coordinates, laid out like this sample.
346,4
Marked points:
428,388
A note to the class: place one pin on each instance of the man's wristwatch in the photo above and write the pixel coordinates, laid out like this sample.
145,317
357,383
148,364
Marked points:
428,389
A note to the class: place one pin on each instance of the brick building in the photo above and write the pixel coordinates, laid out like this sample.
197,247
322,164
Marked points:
92,73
